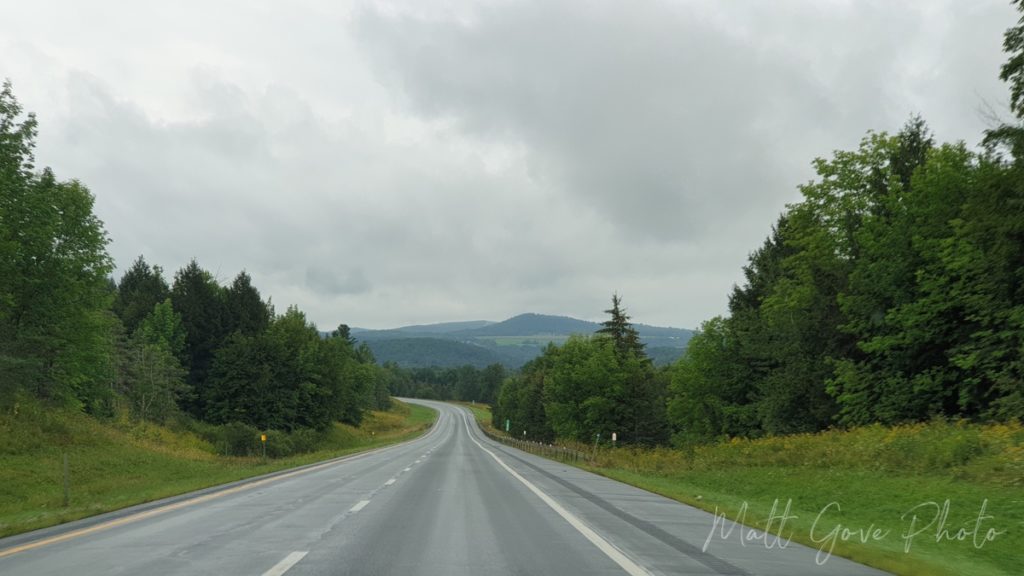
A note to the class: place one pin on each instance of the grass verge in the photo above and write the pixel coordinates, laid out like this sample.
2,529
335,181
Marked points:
115,465
856,492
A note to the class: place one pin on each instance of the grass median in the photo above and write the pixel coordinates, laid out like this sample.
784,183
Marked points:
113,465
935,499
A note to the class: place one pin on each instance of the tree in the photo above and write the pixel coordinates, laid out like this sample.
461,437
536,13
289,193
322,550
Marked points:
163,327
141,288
711,398
582,387
618,328
244,310
198,298
155,379
1013,70
54,331
491,378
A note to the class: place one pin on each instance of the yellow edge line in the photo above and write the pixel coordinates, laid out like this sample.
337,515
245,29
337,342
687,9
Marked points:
178,505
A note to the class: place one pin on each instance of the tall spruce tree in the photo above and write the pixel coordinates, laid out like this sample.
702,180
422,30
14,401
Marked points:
244,310
141,288
199,300
618,328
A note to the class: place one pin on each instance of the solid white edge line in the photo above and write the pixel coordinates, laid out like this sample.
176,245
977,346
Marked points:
359,506
609,549
284,565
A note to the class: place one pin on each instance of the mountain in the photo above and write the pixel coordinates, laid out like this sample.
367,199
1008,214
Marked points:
511,342
533,325
446,327
426,352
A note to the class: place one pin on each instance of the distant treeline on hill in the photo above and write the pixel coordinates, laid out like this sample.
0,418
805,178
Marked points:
512,342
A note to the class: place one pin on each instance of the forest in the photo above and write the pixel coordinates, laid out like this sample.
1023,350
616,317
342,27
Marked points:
191,348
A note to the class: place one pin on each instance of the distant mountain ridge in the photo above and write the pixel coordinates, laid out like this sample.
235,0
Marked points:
511,342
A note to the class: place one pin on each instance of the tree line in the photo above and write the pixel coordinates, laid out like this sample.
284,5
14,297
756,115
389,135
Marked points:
465,383
892,292
71,335
591,385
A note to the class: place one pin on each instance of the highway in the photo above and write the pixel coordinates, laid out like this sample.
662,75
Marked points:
449,503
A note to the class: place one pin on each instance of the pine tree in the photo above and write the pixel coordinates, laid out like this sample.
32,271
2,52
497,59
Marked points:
618,328
141,288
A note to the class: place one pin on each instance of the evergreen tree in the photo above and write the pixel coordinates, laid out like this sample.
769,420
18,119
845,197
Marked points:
198,299
244,310
618,328
141,288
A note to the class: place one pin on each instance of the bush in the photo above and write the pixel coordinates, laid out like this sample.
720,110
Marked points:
238,439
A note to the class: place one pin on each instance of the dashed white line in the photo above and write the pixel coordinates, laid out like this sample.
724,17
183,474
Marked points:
407,469
283,566
389,482
359,506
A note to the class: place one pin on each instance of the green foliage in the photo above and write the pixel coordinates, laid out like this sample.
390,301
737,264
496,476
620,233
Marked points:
117,462
587,388
141,288
155,380
199,300
875,473
466,383
891,293
290,377
710,397
53,275
1013,70
245,310
622,333
521,400
162,326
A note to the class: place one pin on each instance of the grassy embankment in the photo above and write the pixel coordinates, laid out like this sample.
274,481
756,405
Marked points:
117,464
875,475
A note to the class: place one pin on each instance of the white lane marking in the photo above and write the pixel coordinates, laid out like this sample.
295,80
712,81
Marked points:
283,566
359,506
389,482
407,469
609,549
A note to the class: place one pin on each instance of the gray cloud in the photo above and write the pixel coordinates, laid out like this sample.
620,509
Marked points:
413,162
329,282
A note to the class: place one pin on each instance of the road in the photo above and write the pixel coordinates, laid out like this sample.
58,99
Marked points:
449,503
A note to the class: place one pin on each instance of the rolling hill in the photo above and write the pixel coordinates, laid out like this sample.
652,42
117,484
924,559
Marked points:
511,342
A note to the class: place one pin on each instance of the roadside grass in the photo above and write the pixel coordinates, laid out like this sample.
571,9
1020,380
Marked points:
118,464
856,480
482,412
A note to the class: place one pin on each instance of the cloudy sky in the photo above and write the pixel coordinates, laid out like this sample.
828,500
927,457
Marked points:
382,164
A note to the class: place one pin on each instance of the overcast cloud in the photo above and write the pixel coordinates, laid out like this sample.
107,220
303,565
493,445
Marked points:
382,164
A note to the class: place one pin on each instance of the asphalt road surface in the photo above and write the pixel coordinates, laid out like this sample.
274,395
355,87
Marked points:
449,503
